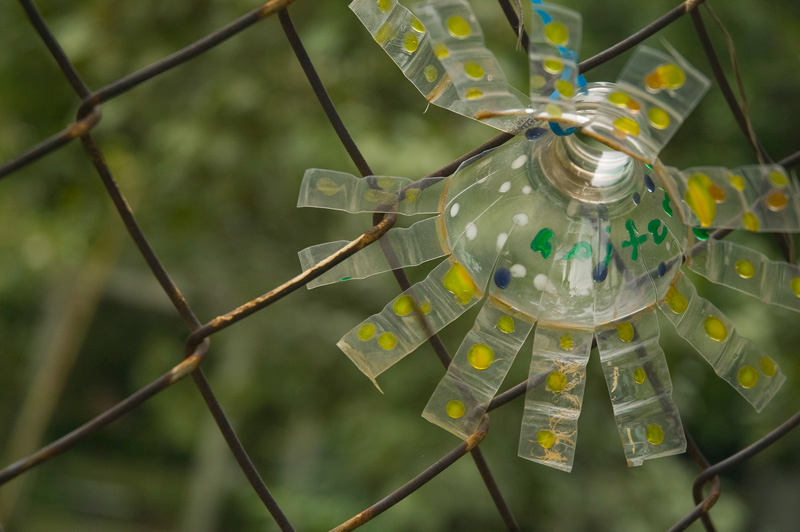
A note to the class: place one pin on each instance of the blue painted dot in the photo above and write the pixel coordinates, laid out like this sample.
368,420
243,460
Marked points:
648,182
636,198
534,133
600,272
502,277
662,269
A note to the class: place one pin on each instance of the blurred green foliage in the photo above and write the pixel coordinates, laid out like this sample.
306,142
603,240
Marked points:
211,155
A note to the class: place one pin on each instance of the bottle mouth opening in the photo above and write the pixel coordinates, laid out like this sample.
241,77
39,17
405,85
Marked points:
588,170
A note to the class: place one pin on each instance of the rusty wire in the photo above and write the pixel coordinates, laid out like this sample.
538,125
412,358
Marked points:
198,346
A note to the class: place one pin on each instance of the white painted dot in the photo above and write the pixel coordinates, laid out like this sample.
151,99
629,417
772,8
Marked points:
521,219
505,187
454,209
540,281
472,231
501,241
518,270
527,190
518,162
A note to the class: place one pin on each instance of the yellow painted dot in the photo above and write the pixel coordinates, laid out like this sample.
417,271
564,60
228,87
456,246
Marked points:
619,98
625,331
387,341
546,439
480,356
384,33
699,198
715,329
441,51
410,41
538,81
556,381
431,73
455,409
796,286
473,70
767,366
750,222
553,110
417,25
458,27
626,126
737,182
778,179
676,301
747,376
672,77
366,332
639,375
654,434
777,201
556,33
506,324
658,118
716,193
553,66
566,342
384,5
458,282
745,269
425,308
474,93
403,305
564,88
412,194
327,186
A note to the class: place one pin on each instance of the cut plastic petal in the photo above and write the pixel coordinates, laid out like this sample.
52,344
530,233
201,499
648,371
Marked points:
328,189
462,397
650,100
640,388
751,372
553,404
409,247
444,56
554,43
757,197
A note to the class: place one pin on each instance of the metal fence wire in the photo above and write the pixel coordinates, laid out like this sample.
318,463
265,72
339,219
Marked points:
706,489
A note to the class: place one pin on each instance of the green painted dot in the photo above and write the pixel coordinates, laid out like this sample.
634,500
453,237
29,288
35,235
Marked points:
384,5
546,439
366,332
480,356
327,186
700,234
796,286
431,73
715,329
778,179
654,434
455,409
745,269
767,366
747,376
556,381
425,308
403,305
410,41
506,324
387,341
625,331
566,342
639,376
458,27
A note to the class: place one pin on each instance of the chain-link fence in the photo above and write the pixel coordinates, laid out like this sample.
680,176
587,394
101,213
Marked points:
30,424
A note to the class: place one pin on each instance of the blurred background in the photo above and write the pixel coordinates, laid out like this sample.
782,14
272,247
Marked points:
210,155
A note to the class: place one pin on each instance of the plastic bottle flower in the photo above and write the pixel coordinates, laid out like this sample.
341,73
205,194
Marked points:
581,235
